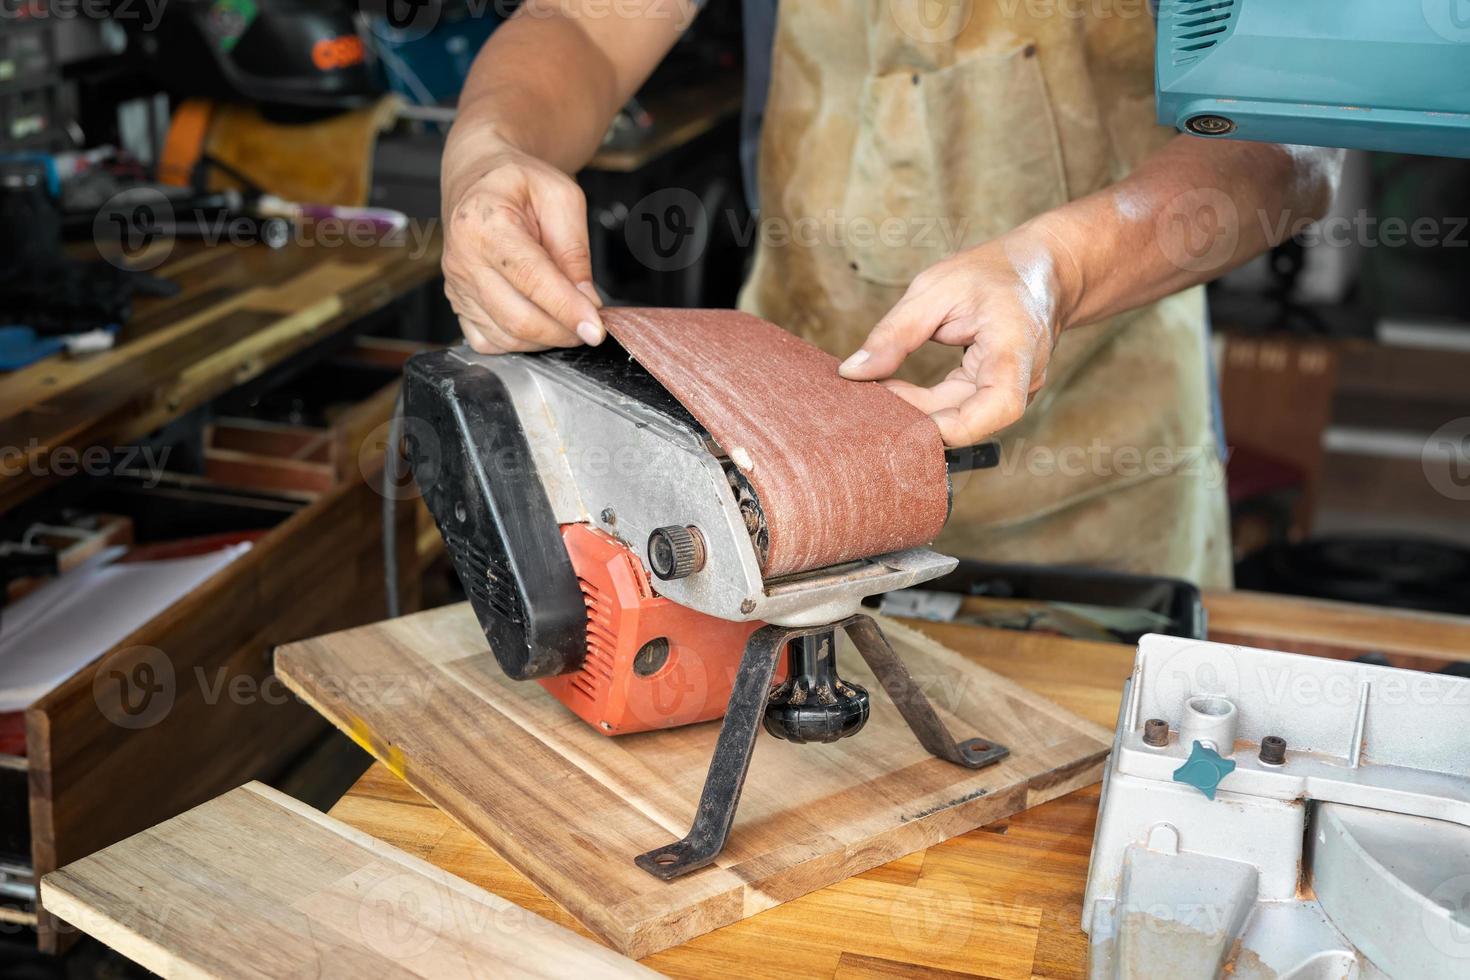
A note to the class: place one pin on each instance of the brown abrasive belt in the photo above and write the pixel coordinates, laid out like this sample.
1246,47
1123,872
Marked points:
842,469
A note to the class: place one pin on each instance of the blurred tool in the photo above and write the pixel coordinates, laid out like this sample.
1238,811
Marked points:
50,301
1082,603
1272,815
295,58
1355,73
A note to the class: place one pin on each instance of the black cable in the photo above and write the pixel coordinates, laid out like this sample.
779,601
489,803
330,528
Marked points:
392,456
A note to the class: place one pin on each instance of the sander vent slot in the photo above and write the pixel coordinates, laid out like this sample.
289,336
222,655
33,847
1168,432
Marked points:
597,668
484,578
1197,26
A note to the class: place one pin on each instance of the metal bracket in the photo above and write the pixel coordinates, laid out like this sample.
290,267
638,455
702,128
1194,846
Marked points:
722,786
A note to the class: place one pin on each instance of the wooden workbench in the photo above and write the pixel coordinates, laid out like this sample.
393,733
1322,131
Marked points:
240,311
1003,901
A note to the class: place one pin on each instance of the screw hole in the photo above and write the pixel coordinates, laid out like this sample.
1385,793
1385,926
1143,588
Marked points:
665,859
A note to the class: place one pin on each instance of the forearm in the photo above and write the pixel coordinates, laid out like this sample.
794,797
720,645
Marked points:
1189,213
550,80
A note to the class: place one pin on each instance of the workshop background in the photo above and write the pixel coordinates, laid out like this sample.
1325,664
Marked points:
217,257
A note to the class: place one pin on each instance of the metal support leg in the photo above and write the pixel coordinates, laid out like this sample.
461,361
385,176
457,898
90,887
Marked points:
721,794
973,753
727,769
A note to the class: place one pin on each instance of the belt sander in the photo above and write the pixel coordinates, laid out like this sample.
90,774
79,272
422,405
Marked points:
674,525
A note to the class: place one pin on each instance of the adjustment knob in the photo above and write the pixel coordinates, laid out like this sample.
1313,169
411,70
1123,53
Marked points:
1204,769
815,704
675,551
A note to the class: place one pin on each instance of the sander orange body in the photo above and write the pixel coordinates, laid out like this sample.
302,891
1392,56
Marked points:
650,662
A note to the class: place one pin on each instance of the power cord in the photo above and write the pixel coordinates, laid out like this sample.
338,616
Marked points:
392,458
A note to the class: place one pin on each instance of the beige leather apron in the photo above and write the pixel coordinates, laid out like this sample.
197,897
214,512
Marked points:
899,131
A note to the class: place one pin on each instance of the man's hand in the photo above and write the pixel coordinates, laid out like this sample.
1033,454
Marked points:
1190,212
535,107
1003,301
516,265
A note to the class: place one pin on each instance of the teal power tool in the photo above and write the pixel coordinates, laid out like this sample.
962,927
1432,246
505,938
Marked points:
1365,74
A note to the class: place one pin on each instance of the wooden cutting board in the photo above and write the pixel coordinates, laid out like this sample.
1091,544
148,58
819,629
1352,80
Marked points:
570,808
256,884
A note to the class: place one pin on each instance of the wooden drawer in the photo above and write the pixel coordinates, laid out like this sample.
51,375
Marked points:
307,436
269,456
187,707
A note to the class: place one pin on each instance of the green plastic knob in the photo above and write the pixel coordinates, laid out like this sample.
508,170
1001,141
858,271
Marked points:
1204,769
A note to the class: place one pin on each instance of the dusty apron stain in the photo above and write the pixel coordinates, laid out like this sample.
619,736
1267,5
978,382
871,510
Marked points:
900,131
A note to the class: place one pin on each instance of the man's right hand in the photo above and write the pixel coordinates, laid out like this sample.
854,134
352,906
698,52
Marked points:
517,269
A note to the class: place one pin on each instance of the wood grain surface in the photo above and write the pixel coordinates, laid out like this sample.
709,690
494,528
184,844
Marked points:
1407,637
256,884
571,808
1003,901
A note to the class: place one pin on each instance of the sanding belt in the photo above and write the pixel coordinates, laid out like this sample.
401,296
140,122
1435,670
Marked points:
843,469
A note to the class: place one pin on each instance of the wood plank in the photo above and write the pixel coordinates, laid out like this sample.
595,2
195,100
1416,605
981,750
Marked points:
102,767
1003,900
1035,862
1082,676
276,439
571,808
918,932
852,966
300,313
1418,640
307,896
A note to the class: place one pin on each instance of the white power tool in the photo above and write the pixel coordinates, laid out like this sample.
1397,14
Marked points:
1266,814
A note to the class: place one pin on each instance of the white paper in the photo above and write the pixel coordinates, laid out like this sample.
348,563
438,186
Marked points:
51,633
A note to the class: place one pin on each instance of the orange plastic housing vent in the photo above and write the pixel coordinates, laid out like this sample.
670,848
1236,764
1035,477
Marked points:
651,663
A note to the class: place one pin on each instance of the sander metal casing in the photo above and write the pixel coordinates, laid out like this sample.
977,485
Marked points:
508,449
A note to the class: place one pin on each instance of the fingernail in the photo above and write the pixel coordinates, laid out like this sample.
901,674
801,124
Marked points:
590,291
854,362
590,332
